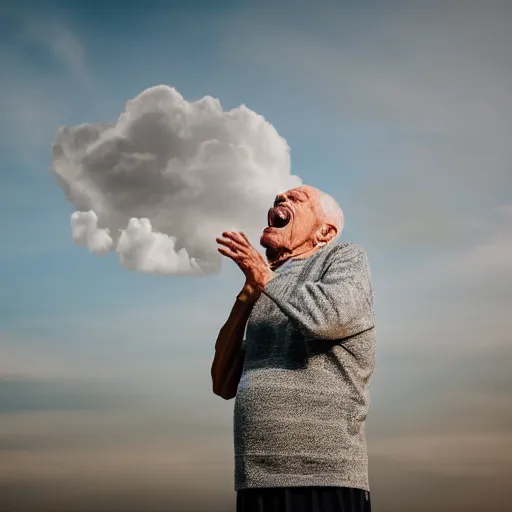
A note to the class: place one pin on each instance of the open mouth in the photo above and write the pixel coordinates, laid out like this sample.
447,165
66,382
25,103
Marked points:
278,217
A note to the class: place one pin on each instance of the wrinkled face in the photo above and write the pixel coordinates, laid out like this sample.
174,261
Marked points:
292,222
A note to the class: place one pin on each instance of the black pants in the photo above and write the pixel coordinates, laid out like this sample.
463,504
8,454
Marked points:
303,499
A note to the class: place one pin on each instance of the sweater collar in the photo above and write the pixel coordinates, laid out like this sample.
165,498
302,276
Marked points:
296,262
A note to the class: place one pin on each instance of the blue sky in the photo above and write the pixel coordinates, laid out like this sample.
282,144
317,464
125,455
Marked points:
402,113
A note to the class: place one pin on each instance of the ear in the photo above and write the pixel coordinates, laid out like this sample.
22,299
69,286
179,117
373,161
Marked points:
325,234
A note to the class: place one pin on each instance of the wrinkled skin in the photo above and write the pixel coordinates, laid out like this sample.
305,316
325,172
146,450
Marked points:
297,229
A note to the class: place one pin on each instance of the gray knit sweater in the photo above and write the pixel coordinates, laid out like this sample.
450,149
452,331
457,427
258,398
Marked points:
303,396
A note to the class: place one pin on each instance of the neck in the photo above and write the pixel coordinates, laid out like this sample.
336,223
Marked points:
278,258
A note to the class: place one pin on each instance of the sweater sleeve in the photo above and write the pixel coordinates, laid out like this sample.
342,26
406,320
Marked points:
338,305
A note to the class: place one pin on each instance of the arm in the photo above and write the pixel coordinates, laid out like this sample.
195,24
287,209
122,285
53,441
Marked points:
336,307
228,361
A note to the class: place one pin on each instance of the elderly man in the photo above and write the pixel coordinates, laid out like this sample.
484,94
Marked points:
301,375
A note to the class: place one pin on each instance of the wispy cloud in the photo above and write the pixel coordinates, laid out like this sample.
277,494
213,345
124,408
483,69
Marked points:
427,92
35,97
62,44
438,80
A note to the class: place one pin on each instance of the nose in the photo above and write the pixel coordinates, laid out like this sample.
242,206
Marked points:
279,199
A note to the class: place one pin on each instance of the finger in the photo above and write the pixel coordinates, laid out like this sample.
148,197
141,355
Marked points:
233,235
245,238
250,246
234,238
234,246
228,253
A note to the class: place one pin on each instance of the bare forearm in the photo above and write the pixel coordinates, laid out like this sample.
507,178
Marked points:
228,360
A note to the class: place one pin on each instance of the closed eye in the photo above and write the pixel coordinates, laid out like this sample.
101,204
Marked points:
293,197
297,197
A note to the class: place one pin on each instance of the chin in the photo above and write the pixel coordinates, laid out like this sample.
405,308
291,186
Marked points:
269,239
265,242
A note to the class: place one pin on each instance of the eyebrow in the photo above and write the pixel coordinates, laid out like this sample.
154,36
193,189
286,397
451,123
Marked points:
301,194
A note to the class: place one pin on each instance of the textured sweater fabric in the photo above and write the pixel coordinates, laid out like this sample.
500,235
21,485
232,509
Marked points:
309,353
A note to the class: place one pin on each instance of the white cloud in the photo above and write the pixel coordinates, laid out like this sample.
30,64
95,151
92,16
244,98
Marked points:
169,176
85,232
142,249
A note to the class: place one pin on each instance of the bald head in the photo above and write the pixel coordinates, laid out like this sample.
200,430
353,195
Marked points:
302,220
330,211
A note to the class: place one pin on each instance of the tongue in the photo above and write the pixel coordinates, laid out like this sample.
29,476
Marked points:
281,217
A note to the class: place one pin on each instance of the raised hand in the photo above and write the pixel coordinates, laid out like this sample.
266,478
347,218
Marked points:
250,261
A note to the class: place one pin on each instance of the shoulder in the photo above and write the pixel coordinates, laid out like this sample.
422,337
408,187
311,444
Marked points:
346,257
346,251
